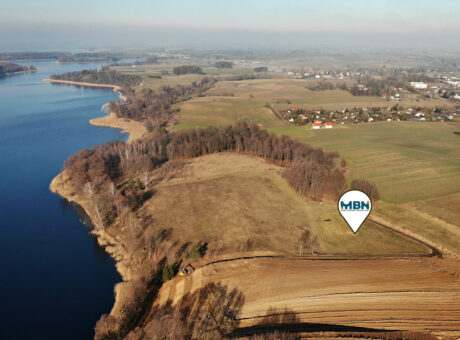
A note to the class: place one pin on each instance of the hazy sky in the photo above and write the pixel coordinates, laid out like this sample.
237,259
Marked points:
390,17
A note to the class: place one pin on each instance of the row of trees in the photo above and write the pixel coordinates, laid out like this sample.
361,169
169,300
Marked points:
261,69
223,64
187,69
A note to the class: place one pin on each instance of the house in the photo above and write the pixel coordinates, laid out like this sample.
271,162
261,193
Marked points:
329,125
418,85
316,125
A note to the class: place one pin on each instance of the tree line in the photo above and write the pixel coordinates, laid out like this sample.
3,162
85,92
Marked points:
187,69
32,55
223,64
102,76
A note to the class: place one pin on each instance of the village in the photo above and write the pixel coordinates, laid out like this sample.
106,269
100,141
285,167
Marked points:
328,119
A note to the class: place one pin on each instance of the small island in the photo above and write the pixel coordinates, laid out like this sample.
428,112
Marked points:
7,69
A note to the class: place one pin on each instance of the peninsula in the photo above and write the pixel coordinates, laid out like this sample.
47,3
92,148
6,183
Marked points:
190,214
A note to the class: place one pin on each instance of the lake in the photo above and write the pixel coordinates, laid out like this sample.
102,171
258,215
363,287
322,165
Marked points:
55,280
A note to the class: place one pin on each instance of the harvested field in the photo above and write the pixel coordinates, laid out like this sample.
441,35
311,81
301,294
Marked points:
405,294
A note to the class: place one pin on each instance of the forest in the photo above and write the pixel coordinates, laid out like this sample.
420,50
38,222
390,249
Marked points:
102,76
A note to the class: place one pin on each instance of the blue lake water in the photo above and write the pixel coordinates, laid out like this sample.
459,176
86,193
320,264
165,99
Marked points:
55,281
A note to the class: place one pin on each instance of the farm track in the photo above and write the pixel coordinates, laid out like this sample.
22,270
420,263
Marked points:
406,161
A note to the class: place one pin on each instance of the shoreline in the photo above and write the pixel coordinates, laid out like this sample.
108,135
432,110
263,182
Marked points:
62,186
135,129
116,88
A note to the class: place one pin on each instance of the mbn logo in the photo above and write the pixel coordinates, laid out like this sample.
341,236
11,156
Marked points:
355,205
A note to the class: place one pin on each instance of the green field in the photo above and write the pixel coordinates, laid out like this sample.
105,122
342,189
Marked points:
408,160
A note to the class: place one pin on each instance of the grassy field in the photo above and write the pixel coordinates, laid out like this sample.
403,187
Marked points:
445,208
239,203
408,161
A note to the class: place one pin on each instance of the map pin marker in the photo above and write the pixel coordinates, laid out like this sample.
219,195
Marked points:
354,206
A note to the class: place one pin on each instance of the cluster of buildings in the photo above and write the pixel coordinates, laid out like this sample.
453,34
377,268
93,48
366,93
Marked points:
451,81
322,119
447,87
323,75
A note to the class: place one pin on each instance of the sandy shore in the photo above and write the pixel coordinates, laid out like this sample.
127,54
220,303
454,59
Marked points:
135,129
115,88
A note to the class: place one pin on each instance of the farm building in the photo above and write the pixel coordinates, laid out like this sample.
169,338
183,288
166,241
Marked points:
328,125
316,125
418,85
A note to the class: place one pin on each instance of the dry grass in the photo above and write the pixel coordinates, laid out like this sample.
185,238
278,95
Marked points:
239,203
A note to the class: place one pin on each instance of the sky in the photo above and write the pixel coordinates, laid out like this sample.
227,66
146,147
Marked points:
108,21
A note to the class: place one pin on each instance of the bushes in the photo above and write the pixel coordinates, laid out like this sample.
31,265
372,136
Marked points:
367,187
197,251
261,69
169,271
